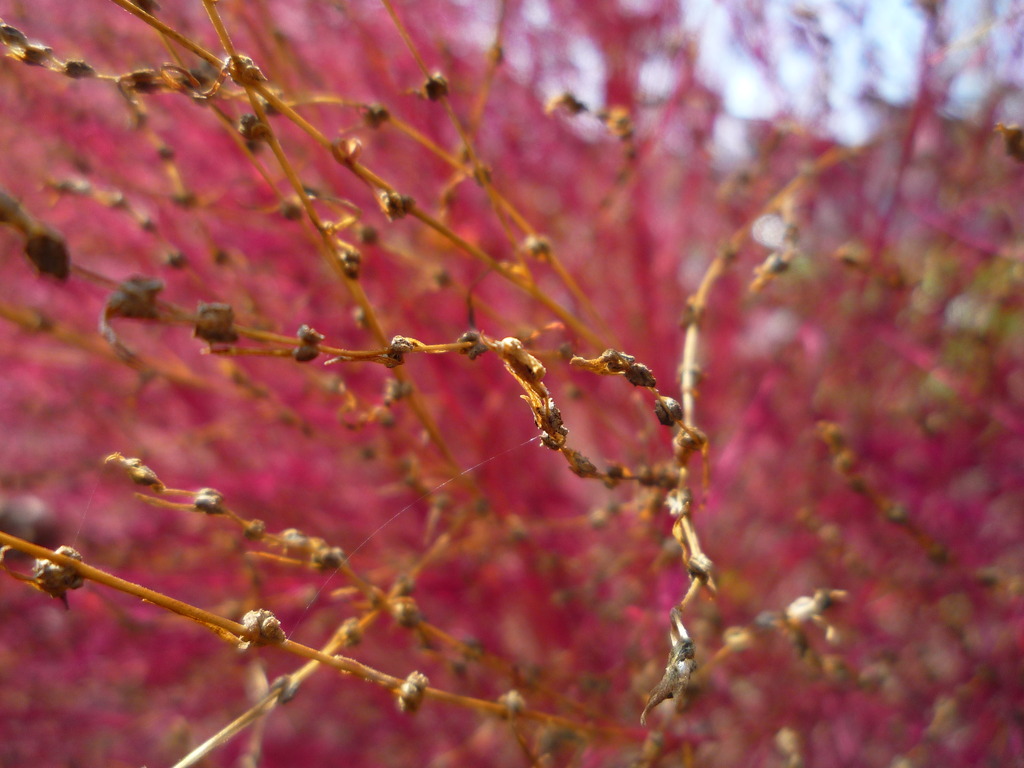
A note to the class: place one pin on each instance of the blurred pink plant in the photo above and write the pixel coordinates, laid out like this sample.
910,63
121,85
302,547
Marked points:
861,387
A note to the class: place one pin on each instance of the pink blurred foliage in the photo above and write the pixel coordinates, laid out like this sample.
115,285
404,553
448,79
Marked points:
899,320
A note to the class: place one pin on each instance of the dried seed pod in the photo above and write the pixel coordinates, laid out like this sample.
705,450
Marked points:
580,464
375,115
668,411
47,250
294,538
209,501
262,628
328,558
619,122
394,205
351,632
405,612
700,566
513,702
143,81
538,246
255,530
137,471
34,54
214,323
305,353
244,71
135,298
396,389
12,36
351,261
1013,140
565,101
54,579
77,69
640,375
395,354
410,693
252,128
478,347
436,87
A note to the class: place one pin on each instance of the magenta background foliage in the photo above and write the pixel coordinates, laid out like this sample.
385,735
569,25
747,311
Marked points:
898,320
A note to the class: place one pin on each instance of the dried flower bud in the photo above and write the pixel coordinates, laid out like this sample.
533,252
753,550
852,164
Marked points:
700,566
252,128
135,298
351,632
1013,140
537,246
12,36
410,694
309,335
137,471
328,558
395,354
351,261
396,389
214,323
54,579
513,702
394,205
47,250
405,612
262,628
209,501
77,69
244,71
640,375
294,538
436,87
668,411
478,347
580,464
565,101
375,115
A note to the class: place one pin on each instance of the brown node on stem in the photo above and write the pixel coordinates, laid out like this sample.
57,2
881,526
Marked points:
139,473
215,323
